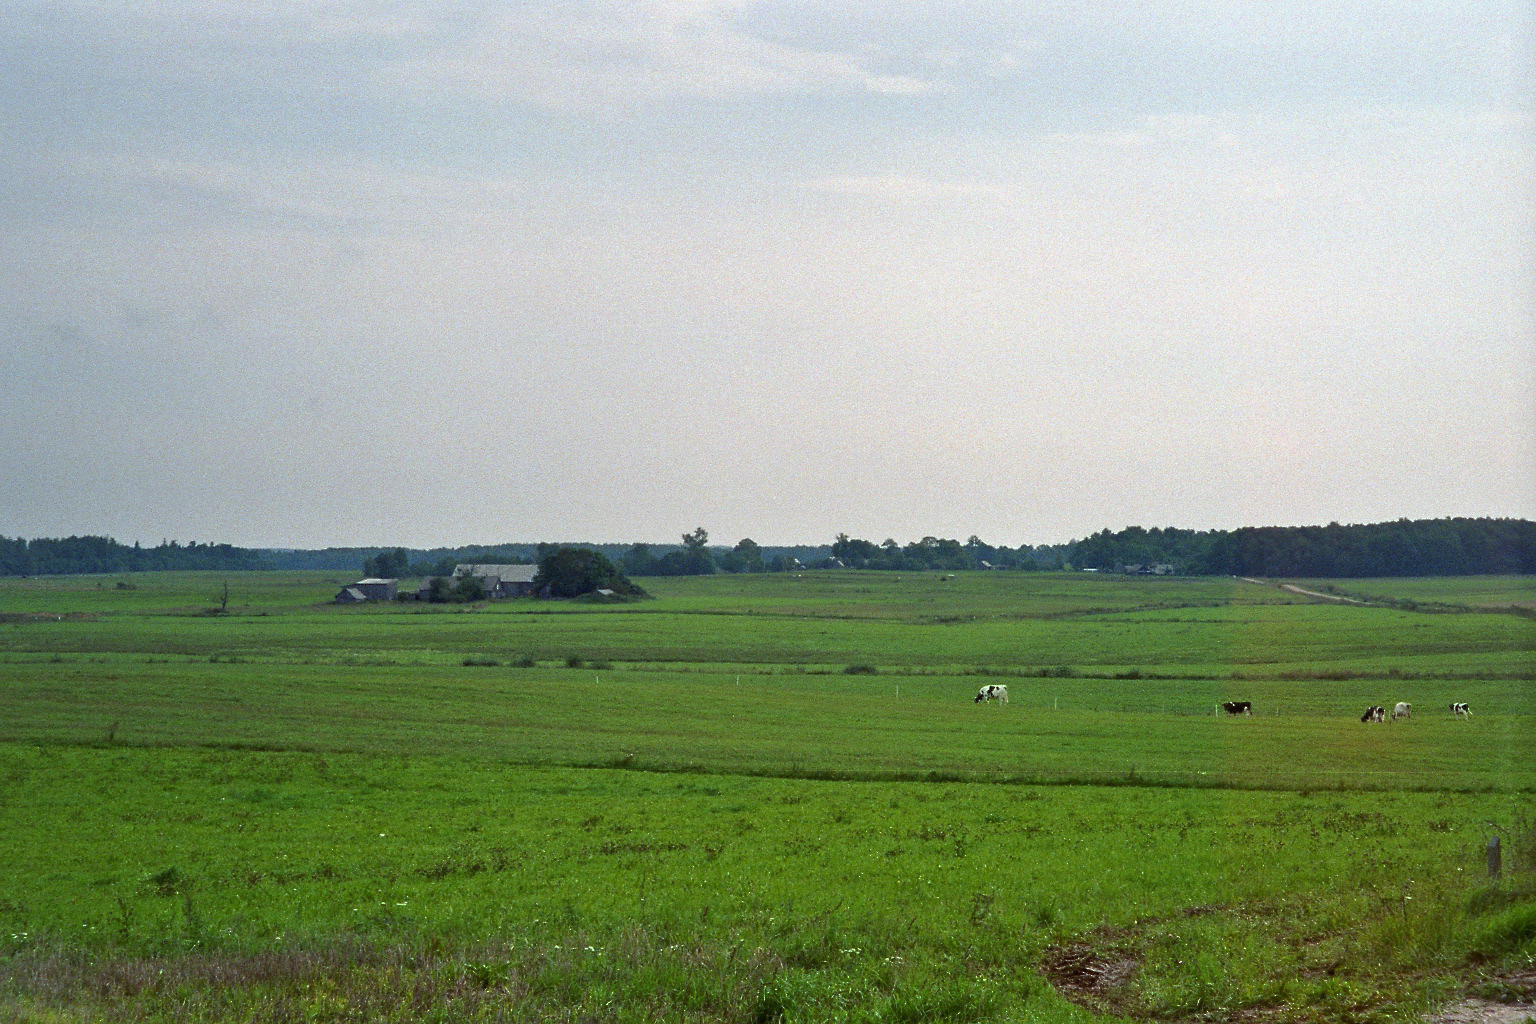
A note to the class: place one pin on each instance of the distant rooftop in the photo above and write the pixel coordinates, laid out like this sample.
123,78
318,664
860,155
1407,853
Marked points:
505,573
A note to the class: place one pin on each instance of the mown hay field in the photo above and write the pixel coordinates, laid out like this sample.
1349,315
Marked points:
758,798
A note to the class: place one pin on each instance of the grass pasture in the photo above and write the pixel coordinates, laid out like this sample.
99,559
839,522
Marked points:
1448,593
690,809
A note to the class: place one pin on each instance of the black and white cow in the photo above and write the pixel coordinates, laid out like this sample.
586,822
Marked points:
992,692
1461,710
1238,707
1374,713
1402,710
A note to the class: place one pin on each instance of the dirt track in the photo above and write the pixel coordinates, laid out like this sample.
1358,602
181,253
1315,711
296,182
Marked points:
1293,588
1481,1011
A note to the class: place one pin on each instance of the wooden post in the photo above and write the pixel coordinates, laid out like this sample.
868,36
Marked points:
1495,858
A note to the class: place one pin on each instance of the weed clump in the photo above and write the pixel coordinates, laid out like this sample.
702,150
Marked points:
167,882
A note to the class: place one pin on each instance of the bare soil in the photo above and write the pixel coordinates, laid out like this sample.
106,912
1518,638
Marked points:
1482,1011
1095,977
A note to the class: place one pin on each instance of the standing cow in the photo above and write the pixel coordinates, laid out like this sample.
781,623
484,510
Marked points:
992,692
1374,713
1461,710
1403,710
1238,707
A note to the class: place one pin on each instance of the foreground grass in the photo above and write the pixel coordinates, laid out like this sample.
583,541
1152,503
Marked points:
264,886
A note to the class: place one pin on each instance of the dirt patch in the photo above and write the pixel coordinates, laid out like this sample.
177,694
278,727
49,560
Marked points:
1090,977
1097,977
1482,1011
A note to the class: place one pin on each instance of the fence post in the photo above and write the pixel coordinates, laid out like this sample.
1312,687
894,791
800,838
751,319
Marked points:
1495,858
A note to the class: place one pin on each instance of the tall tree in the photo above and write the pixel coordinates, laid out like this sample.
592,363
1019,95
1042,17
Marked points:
571,572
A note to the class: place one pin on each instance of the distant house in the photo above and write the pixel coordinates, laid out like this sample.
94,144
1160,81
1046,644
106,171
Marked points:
1157,569
501,580
369,590
497,580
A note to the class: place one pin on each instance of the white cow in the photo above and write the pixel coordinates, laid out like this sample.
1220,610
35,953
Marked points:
992,692
1403,710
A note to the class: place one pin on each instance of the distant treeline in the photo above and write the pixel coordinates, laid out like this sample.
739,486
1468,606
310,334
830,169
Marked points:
1423,547
940,553
48,556
1418,547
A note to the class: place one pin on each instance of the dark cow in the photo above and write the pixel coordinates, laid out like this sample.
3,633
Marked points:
1238,707
1461,710
1374,713
992,691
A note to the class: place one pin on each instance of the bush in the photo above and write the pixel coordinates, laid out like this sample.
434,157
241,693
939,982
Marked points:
1510,932
572,572
860,670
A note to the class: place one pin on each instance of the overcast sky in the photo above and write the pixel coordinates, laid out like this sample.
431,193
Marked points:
309,273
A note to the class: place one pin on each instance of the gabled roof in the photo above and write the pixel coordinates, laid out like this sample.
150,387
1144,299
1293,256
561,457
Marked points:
373,581
505,573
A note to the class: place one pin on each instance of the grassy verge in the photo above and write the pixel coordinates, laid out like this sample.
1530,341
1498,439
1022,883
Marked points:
183,884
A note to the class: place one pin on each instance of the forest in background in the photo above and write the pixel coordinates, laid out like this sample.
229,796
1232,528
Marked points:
1405,547
1422,547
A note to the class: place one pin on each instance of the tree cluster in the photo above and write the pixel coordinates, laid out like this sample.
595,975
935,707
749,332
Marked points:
50,556
444,589
694,558
1419,547
390,565
573,572
944,554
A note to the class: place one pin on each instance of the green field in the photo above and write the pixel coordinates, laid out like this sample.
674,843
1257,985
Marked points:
762,798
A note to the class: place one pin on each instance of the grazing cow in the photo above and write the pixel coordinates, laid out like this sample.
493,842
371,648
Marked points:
1238,707
1403,710
992,692
1374,713
1461,710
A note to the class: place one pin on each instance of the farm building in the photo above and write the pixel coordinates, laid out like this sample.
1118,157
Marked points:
369,590
498,580
501,580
